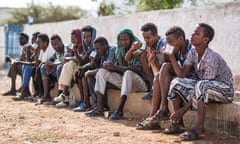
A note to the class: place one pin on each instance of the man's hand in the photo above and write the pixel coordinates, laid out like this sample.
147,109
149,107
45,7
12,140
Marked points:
109,66
48,68
90,73
168,51
136,45
8,59
152,59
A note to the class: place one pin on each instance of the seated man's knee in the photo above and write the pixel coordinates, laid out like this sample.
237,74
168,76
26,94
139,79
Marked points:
43,71
98,93
59,67
43,68
101,72
128,73
165,68
156,77
176,80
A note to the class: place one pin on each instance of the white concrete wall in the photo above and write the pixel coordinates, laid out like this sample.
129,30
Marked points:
225,18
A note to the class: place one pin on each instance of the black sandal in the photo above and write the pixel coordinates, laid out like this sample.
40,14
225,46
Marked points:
18,98
94,112
148,124
190,135
161,115
173,129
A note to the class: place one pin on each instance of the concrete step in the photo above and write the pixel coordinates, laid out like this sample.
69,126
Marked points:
237,96
220,118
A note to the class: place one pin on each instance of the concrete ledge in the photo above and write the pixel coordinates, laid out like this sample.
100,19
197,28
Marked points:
134,103
74,93
237,96
220,118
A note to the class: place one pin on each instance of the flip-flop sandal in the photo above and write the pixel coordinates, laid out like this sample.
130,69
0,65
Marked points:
161,115
18,98
94,112
28,98
148,125
173,129
190,135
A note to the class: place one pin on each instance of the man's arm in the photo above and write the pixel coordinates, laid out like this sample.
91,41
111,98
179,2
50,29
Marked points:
111,67
180,72
134,51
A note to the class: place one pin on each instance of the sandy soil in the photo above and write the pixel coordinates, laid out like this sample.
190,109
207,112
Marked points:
26,123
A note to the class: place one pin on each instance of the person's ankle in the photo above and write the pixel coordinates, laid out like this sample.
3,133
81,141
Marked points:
119,112
200,130
13,90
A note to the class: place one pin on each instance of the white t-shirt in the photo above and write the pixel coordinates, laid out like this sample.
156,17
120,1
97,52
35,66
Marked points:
45,55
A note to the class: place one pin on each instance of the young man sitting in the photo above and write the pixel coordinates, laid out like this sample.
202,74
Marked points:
214,84
179,46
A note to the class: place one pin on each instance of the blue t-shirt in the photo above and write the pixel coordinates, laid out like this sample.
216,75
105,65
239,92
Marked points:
108,56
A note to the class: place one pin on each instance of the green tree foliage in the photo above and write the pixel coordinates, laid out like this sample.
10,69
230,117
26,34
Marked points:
147,5
106,9
42,14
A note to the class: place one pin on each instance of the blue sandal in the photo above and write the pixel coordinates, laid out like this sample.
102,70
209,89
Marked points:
148,96
81,108
116,115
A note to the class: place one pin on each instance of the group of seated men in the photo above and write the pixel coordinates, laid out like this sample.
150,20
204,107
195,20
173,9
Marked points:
186,72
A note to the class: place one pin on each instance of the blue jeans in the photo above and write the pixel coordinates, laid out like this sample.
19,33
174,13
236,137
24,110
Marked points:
91,85
26,75
59,70
55,71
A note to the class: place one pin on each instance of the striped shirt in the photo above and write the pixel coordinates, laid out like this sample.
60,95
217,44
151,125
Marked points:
211,66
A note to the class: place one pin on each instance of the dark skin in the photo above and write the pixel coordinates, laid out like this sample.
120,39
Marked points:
82,81
151,40
42,45
22,42
81,59
72,50
25,90
58,47
100,50
200,41
36,51
125,41
24,59
76,58
87,39
163,79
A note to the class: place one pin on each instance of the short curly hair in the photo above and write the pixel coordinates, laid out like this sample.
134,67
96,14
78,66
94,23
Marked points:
208,31
149,27
177,31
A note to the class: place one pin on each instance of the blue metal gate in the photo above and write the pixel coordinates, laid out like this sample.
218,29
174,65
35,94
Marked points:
12,32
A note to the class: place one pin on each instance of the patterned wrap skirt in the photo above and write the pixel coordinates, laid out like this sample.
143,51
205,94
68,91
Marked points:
206,90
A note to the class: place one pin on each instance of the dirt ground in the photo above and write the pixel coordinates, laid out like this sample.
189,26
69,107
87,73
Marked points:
26,123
